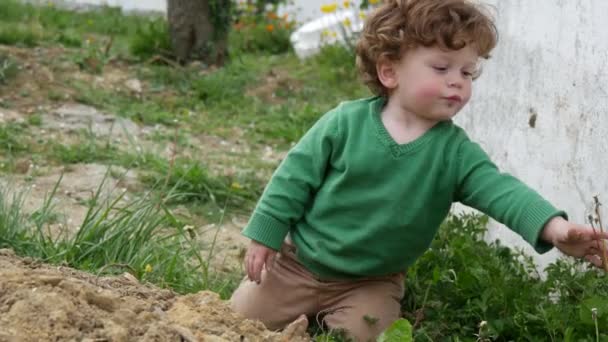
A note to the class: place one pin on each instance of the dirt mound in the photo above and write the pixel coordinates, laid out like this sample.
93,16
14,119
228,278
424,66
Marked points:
39,302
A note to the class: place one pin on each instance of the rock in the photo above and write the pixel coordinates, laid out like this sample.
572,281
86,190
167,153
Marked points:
134,85
75,117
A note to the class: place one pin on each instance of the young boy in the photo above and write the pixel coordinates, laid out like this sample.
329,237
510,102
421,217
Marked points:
363,193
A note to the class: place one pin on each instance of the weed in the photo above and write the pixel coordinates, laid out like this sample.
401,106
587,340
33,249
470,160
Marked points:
11,139
193,183
462,281
142,236
8,68
25,34
150,39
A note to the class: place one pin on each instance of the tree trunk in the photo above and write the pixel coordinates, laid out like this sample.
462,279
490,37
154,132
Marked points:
199,29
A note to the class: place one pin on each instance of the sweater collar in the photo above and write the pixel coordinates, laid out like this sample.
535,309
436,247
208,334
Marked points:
376,105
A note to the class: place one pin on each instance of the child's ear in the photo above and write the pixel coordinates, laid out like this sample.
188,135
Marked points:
387,73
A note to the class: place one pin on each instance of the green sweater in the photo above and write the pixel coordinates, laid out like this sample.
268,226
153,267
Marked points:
358,204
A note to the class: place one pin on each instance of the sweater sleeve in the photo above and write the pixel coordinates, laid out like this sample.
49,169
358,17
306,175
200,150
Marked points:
293,184
501,196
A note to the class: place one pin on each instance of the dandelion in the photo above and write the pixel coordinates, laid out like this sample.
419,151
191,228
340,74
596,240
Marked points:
148,268
346,4
269,27
236,186
329,8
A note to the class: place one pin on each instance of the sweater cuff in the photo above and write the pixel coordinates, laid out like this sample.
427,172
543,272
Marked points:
266,230
533,222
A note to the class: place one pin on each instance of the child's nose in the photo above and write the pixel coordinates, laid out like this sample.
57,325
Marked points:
455,80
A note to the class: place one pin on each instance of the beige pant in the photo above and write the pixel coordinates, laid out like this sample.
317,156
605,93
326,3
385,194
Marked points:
363,308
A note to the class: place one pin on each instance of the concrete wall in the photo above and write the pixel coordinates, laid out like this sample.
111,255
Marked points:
552,63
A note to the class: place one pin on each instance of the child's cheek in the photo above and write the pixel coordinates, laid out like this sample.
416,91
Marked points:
428,92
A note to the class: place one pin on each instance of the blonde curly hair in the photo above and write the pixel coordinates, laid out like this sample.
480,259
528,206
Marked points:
399,25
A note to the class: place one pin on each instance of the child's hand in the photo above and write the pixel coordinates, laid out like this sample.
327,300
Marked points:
575,239
256,257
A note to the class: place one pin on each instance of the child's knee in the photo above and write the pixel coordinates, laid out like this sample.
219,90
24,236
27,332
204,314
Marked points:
261,302
248,302
360,328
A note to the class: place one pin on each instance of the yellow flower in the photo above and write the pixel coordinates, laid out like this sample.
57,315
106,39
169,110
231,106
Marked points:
373,2
346,22
269,27
346,4
329,8
362,15
148,268
325,33
236,185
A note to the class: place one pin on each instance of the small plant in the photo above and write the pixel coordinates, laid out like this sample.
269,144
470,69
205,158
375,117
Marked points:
349,22
8,69
463,280
257,30
141,236
94,54
151,39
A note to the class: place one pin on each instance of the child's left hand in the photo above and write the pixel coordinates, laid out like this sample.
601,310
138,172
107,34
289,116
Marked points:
575,239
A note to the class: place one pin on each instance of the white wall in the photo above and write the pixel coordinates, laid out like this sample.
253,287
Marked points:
552,60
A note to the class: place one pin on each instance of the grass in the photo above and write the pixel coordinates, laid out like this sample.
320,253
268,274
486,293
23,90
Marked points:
141,236
28,25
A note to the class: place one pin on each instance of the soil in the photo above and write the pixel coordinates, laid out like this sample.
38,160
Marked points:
39,302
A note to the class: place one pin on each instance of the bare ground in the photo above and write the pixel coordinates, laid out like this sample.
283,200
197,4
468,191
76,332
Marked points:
45,303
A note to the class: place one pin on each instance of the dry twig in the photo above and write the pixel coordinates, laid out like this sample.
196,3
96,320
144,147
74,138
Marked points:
598,219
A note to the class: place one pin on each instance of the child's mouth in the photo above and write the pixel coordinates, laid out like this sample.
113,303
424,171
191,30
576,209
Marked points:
454,98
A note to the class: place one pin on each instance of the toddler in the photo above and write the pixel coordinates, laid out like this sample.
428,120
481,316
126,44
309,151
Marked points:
362,194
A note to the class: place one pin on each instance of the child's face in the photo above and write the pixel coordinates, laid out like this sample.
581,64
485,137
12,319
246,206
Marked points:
432,83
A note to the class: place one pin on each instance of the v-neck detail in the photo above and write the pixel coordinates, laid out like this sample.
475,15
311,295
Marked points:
387,140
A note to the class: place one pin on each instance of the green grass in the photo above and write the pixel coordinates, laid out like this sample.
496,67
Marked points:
28,25
141,236
11,139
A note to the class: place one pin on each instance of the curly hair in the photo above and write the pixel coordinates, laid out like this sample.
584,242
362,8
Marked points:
399,25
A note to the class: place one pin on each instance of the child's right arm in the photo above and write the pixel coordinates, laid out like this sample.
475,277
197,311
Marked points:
290,191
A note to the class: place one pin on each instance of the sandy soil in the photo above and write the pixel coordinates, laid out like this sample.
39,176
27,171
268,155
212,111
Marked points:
39,302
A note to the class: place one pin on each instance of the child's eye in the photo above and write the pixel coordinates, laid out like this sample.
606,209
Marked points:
440,68
467,74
